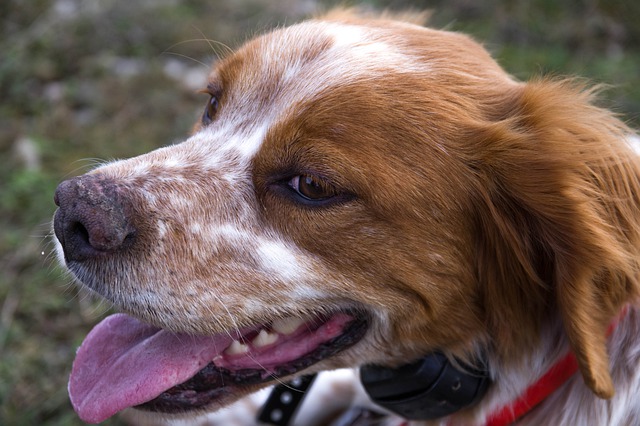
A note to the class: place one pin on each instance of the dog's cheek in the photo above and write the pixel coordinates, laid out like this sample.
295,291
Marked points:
420,300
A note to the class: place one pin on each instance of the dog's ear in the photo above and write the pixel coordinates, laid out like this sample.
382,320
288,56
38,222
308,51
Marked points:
558,221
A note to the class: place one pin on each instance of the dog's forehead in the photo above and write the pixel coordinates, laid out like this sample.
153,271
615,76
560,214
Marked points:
269,77
315,53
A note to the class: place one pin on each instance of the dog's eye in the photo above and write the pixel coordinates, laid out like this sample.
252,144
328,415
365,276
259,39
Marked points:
312,188
210,110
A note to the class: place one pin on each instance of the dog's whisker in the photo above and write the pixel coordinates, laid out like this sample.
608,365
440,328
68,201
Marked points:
91,163
231,317
180,55
213,44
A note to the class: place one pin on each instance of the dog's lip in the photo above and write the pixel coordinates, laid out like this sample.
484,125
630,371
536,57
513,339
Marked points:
214,381
124,362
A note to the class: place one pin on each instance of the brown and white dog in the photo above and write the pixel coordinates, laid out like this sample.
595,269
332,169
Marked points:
365,191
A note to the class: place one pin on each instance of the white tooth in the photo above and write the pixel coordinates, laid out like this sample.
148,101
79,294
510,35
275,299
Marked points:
264,338
237,348
287,325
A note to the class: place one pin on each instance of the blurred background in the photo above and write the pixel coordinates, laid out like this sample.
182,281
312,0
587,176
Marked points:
86,81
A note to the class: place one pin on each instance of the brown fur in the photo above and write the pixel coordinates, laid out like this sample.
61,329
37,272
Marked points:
475,213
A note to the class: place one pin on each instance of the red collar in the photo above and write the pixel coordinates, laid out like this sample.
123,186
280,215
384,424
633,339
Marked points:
555,377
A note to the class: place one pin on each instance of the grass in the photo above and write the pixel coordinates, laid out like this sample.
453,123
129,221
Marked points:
93,81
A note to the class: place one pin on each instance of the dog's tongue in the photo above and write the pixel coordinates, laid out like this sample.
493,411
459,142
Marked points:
124,362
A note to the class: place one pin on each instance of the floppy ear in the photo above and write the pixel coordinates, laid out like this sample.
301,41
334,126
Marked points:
558,221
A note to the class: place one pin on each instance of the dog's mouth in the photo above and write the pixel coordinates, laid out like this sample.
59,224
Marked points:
124,362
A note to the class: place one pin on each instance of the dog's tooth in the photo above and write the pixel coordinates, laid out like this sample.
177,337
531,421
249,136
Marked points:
287,325
237,348
264,338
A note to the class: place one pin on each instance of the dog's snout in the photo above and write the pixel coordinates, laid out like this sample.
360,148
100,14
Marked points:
93,218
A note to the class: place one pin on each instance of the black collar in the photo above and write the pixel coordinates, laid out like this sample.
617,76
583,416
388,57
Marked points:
426,389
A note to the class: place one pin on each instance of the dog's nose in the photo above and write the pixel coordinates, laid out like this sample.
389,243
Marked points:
93,218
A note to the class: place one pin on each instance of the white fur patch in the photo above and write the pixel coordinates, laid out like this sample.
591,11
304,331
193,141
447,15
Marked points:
279,259
634,142
360,49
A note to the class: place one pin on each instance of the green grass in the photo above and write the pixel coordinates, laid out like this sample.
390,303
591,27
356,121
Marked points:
64,108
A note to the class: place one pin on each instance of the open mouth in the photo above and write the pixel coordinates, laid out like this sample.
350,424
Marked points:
124,362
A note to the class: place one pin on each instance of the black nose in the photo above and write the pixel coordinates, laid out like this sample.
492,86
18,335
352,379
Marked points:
93,218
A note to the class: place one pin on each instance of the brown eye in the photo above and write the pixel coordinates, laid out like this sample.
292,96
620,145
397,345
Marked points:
210,110
312,188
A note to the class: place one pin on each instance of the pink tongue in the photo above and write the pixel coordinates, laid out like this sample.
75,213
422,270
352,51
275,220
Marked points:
124,362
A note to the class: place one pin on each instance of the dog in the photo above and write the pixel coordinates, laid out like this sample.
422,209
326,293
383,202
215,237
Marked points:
365,191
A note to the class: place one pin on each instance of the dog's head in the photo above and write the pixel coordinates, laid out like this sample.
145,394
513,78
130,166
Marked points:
360,191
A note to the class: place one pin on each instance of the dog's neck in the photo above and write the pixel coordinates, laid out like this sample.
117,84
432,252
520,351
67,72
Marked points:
560,369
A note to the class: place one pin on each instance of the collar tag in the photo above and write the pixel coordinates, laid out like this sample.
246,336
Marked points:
284,400
426,389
